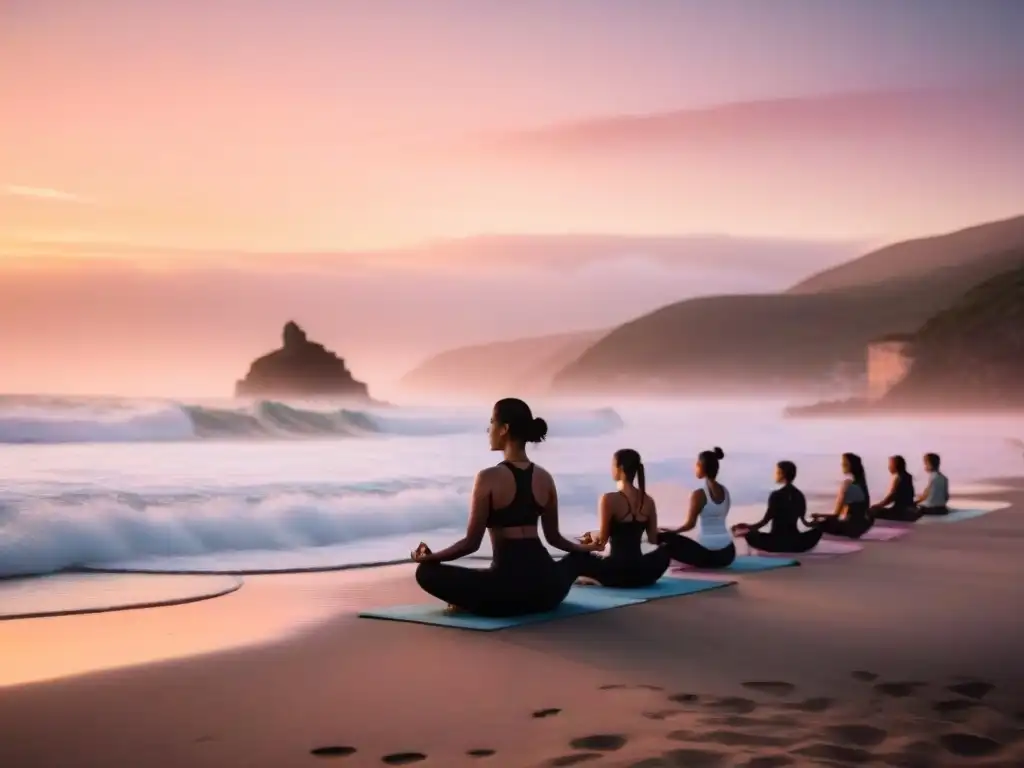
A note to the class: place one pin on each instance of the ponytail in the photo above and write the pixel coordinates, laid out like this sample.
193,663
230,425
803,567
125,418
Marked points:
641,484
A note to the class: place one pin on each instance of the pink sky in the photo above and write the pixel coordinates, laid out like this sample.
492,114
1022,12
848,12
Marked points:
183,136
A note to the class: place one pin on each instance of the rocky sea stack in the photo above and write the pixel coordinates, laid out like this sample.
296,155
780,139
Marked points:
300,368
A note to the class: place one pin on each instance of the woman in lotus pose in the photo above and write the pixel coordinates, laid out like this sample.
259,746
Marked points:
850,518
709,506
899,503
509,500
624,518
786,507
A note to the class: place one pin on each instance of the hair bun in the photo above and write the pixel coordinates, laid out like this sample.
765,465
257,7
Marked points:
719,453
538,430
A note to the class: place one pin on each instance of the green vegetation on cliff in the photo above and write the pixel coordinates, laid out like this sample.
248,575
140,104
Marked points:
972,354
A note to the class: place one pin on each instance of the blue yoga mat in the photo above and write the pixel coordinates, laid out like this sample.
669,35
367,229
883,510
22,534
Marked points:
954,516
745,564
667,586
581,600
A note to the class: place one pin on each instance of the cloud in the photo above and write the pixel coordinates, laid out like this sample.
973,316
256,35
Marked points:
44,193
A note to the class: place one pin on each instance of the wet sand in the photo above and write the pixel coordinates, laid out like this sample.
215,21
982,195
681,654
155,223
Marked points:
905,654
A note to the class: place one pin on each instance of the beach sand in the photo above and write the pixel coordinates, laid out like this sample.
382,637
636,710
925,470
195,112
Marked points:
905,654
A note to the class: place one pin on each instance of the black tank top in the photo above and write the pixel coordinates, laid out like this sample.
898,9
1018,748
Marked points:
903,498
625,535
523,509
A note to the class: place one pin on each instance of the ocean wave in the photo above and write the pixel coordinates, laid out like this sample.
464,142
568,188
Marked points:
65,531
53,420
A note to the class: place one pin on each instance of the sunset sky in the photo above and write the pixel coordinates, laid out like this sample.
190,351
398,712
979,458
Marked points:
167,133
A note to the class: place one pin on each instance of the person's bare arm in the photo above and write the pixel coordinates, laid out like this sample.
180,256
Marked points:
769,515
604,516
697,502
479,507
840,504
924,494
549,522
887,500
652,521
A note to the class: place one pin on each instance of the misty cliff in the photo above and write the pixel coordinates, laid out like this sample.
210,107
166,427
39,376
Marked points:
970,355
300,368
523,366
801,338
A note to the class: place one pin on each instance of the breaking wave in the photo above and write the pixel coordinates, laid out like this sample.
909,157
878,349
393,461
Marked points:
50,420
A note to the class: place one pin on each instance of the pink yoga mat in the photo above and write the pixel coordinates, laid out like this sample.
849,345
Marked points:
884,533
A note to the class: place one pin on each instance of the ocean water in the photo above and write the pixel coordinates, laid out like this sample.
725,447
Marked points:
119,483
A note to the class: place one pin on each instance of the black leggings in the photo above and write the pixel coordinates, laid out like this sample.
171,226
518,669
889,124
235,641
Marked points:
525,579
943,510
897,514
850,528
795,543
624,572
685,550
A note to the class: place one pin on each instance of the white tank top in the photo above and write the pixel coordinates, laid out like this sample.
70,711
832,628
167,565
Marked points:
712,531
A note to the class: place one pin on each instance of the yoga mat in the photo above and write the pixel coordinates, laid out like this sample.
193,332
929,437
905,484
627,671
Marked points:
954,516
743,564
581,600
671,587
824,548
884,533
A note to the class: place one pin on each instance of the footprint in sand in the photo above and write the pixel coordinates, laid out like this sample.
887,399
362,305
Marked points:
969,745
684,698
974,689
856,735
735,705
775,688
864,676
818,704
600,742
742,721
660,714
333,751
835,753
768,761
693,758
638,687
540,713
403,758
581,757
954,706
899,690
734,739
480,752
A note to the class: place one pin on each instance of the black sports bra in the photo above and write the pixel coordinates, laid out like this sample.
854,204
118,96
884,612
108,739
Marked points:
523,509
625,534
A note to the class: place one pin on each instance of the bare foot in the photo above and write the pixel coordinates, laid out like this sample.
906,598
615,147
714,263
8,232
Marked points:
586,581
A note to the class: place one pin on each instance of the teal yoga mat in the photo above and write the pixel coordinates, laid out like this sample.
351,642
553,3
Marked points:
954,516
581,600
664,587
744,564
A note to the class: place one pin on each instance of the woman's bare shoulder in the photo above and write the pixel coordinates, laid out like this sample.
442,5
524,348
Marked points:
541,474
